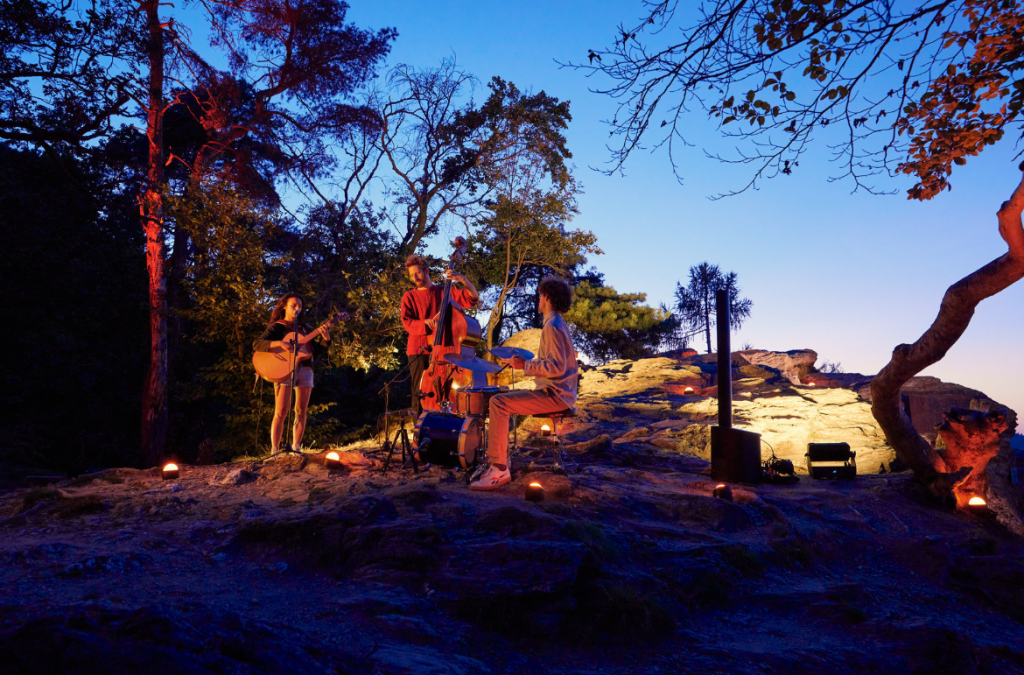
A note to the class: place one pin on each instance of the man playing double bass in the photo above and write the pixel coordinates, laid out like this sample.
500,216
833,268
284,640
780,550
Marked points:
420,308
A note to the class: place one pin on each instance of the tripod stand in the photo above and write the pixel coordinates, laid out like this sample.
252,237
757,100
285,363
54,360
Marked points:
407,453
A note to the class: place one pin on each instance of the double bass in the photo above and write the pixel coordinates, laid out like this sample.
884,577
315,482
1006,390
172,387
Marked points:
456,333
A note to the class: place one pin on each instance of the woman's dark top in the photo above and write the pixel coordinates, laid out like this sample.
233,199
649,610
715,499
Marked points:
276,331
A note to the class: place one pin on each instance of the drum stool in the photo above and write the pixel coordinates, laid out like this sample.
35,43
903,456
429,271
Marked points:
556,418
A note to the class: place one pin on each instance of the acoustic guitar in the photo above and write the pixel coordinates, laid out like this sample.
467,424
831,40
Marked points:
276,365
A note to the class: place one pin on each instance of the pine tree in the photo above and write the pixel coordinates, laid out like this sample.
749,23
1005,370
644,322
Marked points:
696,301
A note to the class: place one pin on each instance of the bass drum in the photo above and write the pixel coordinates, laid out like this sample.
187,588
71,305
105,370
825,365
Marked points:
448,440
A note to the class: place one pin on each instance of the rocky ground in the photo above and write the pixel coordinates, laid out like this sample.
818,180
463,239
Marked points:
629,565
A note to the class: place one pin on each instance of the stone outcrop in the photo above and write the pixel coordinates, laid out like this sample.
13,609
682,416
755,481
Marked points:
646,402
793,364
629,565
926,400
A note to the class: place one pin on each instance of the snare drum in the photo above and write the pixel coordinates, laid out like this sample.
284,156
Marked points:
476,400
448,440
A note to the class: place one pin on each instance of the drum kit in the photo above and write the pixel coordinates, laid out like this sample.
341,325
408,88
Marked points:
456,435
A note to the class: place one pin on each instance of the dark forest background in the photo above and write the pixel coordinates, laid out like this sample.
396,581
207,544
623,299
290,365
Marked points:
321,189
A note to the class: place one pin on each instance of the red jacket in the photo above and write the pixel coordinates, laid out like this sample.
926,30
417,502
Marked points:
418,305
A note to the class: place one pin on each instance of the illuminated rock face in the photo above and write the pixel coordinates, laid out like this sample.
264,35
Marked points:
792,364
644,403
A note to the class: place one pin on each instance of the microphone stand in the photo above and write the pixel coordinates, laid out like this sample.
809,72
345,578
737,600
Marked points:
388,445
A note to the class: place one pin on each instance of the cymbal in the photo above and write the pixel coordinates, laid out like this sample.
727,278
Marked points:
509,352
472,363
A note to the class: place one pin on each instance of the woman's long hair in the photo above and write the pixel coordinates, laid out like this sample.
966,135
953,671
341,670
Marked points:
277,314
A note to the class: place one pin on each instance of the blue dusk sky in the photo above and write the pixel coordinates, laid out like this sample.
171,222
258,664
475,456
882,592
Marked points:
850,275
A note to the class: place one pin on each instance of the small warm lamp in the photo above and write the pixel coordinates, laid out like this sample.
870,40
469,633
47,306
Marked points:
810,384
545,430
171,471
688,390
723,491
332,460
534,492
977,506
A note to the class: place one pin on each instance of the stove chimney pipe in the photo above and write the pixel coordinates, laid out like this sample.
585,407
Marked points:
724,360
735,453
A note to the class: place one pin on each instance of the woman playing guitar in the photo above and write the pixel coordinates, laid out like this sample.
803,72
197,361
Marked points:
284,321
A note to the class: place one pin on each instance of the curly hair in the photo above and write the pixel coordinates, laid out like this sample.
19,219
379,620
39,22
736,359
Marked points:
416,261
558,292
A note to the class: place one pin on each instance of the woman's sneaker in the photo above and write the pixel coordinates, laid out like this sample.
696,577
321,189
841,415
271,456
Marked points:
492,478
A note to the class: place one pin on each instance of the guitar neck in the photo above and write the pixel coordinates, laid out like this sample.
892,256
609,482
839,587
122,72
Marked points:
326,324
309,336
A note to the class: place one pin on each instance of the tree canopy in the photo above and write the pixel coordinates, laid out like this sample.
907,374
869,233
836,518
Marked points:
696,301
610,325
205,155
913,88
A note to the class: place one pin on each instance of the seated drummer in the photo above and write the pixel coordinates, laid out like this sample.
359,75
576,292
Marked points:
555,372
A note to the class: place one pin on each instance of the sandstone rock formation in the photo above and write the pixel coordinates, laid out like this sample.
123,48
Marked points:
973,439
793,364
646,402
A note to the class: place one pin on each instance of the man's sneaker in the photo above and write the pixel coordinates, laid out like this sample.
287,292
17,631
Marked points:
479,471
492,478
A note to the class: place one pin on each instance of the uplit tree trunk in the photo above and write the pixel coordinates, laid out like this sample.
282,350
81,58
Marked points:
154,396
954,316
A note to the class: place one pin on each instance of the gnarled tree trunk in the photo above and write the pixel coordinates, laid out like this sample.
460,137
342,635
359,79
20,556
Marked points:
954,316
